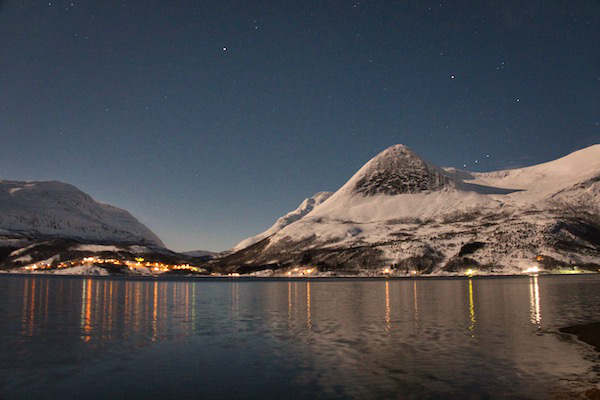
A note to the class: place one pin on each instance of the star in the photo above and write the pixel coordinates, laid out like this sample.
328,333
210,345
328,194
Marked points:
452,76
224,49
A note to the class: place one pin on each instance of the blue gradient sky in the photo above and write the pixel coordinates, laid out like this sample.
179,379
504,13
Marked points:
208,120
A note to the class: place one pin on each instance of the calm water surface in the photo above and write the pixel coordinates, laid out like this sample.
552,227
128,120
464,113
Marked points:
74,338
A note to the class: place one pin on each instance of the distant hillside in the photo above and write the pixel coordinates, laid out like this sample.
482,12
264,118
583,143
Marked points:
42,210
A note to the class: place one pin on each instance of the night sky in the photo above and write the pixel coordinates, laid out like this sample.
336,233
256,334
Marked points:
210,119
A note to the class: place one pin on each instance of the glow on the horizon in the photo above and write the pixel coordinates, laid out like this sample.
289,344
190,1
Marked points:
532,270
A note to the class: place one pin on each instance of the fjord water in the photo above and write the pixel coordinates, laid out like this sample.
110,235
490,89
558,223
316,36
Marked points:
437,338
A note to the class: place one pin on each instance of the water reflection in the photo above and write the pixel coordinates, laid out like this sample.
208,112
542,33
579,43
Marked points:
29,307
334,337
308,315
534,301
388,310
471,309
415,303
86,305
112,309
289,285
235,298
154,311
108,309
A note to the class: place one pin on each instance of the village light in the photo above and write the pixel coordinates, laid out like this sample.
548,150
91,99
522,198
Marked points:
532,270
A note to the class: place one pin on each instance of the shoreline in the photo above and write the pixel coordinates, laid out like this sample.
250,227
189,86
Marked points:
587,333
208,278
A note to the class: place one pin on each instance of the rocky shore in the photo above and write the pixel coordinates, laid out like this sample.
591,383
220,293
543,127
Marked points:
588,333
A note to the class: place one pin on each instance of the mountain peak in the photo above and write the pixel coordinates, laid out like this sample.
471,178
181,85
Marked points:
396,147
398,170
43,209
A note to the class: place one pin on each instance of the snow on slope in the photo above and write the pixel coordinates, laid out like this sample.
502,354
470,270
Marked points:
86,270
399,207
200,253
300,212
56,209
350,209
539,181
396,185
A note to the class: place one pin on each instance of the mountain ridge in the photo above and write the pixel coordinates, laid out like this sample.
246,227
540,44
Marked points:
414,213
305,207
53,209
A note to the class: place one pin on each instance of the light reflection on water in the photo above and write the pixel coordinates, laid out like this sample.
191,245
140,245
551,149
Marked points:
73,337
388,309
471,309
534,307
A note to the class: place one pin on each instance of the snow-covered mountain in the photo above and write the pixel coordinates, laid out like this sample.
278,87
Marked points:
302,210
200,253
400,210
43,210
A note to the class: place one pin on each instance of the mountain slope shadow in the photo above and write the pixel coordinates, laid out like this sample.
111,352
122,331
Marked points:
482,189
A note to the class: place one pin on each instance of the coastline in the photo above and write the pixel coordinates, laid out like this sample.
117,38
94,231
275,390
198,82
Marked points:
253,278
586,333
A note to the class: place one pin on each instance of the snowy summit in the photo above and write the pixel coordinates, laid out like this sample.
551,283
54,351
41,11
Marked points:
42,210
402,212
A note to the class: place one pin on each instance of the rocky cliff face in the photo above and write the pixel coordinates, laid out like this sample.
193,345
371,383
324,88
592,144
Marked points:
398,170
